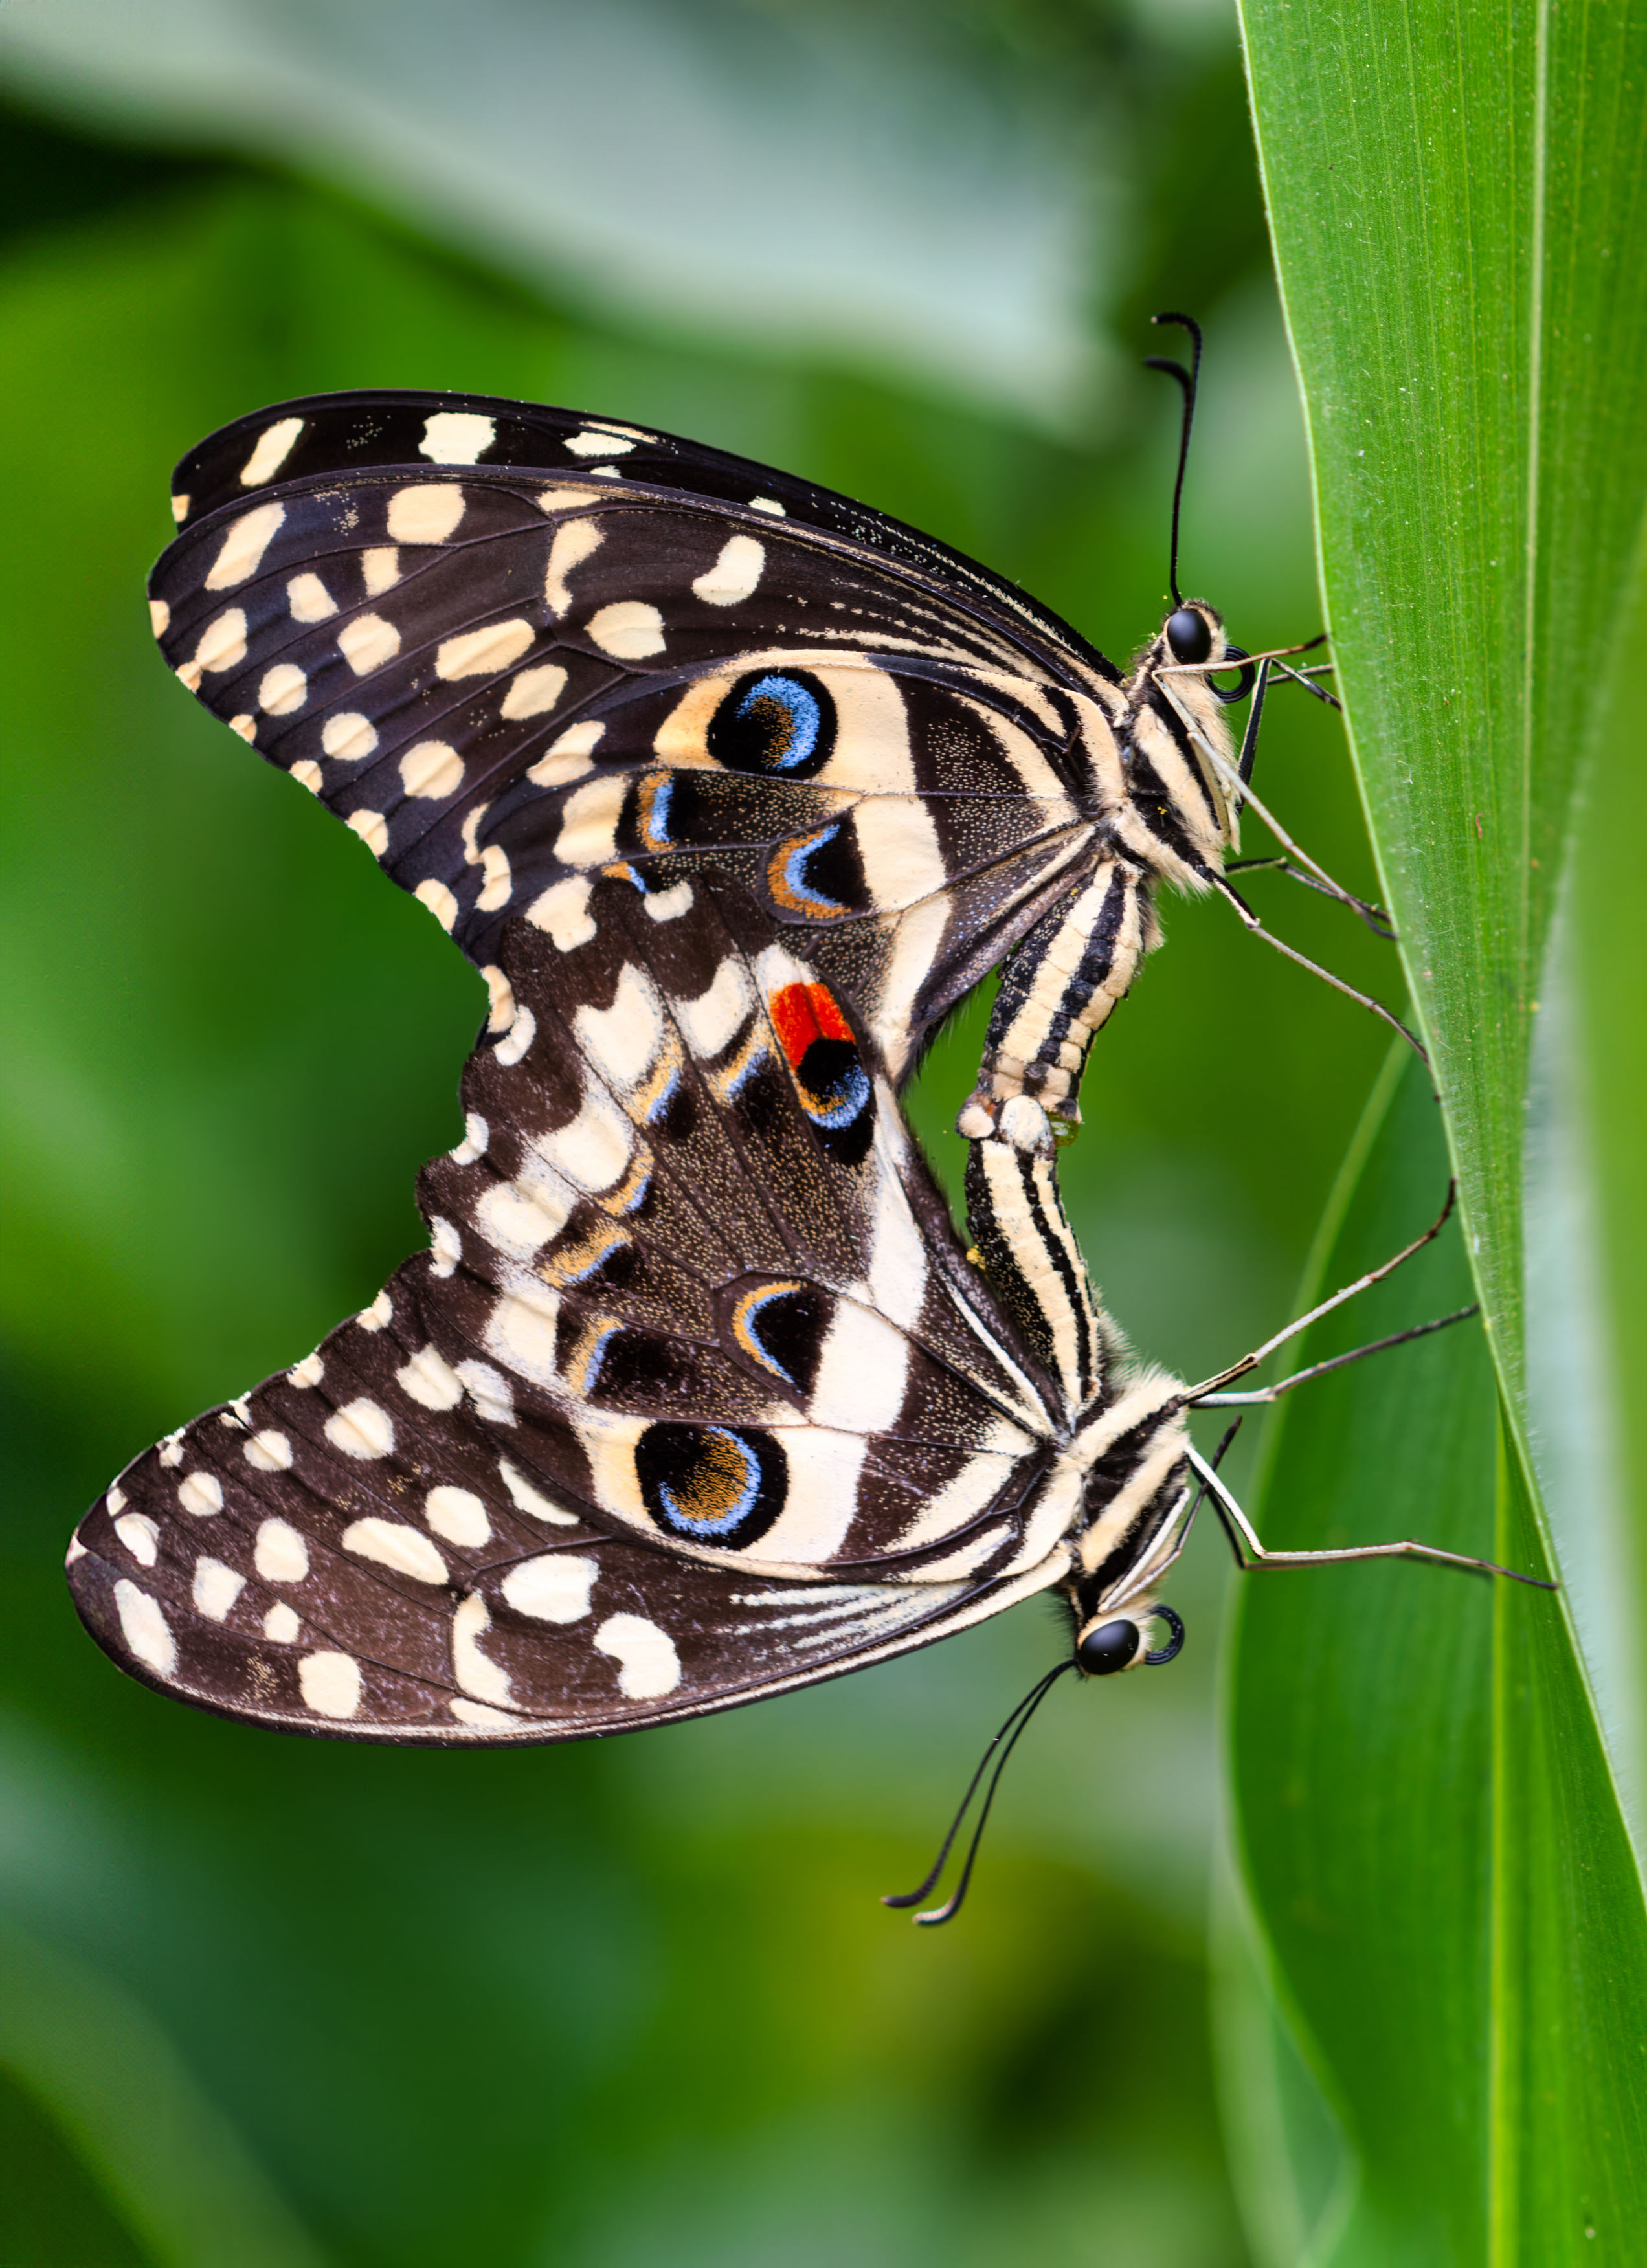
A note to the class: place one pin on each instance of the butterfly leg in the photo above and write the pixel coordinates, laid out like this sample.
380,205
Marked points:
1249,1553
1056,992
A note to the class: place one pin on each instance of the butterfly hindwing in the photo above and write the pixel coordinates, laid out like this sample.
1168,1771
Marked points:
692,1398
508,646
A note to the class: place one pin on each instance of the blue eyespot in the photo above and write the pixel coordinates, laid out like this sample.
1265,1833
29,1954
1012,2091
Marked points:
708,1484
778,722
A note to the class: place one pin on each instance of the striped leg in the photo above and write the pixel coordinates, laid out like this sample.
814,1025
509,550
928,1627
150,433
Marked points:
1056,990
1028,1250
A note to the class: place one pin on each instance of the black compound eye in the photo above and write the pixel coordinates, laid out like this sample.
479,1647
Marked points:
1109,1647
1189,634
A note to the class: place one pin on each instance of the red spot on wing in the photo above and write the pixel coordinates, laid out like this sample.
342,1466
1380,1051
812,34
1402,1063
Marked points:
804,1013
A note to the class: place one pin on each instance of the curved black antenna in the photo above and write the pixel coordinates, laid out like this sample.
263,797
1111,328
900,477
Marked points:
1189,379
1015,1722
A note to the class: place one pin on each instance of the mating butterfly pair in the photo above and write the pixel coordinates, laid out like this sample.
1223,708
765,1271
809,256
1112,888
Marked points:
731,789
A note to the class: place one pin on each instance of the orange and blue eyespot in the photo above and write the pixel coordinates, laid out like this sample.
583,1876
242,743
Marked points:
834,1089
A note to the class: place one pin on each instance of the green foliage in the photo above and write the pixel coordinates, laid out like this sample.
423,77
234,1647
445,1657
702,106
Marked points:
1435,1849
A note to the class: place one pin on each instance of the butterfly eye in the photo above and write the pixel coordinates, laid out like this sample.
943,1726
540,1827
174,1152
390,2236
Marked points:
1108,1647
776,722
1189,634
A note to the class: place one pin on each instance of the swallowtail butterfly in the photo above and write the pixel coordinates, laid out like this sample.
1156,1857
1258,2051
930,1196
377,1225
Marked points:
509,645
694,1397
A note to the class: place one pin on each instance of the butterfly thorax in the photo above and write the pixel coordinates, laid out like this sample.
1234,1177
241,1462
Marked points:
1162,811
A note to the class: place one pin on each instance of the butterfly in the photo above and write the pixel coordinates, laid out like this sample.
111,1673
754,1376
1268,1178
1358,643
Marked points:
695,1396
509,645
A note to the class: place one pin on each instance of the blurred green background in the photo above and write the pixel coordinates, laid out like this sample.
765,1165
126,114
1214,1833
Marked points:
288,2001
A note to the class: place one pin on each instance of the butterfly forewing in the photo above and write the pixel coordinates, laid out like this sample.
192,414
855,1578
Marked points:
568,643
693,1396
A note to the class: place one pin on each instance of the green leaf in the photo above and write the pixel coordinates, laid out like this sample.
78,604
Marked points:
1456,195
1432,1844
1436,1856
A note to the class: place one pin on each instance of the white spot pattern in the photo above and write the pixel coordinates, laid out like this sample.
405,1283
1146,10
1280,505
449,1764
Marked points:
427,514
274,447
433,770
484,652
281,1554
629,630
392,1543
216,1589
269,1451
141,1536
243,547
309,599
367,642
554,1589
362,1428
735,575
455,436
146,1629
648,1666
330,1684
535,691
349,737
459,1515
202,1493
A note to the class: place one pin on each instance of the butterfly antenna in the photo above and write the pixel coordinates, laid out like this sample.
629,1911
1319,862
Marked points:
1188,380
1010,1733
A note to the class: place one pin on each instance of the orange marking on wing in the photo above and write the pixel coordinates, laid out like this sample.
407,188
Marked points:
803,1014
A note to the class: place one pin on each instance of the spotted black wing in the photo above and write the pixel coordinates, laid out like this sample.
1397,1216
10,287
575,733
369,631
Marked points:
694,1397
508,646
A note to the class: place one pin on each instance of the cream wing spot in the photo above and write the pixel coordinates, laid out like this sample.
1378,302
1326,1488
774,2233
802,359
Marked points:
179,509
490,1391
283,691
457,436
349,737
246,728
308,1372
201,1494
623,1042
670,905
562,912
735,576
553,1589
589,821
427,514
445,1247
518,1222
430,1379
392,1543
439,901
372,828
495,646
431,770
712,1022
159,617
535,692
380,569
496,881
381,1312
274,446
573,542
115,1501
216,1589
362,1428
269,1451
501,993
309,599
281,1554
595,442
244,546
648,1666
146,1629
473,1671
768,504
331,1684
367,642
476,1134
141,1536
518,1039
222,643
483,1719
459,1515
629,630
281,1623
530,1500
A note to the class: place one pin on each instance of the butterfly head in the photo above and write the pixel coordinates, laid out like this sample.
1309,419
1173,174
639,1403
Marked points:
1178,757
